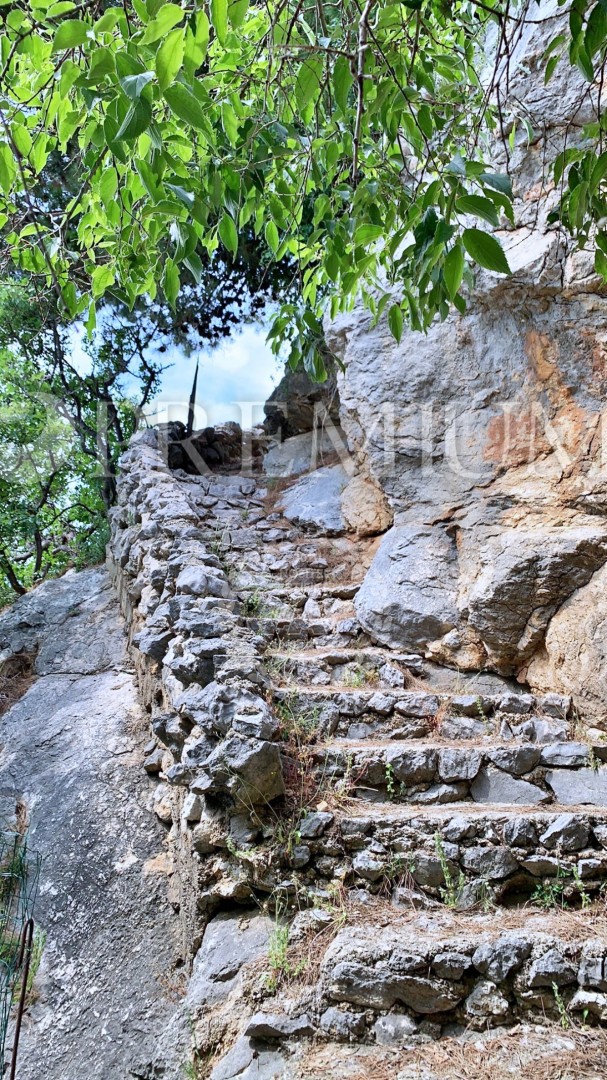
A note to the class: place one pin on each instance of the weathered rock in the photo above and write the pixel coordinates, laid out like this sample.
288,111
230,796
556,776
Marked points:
298,404
458,764
343,1025
365,508
516,760
298,454
551,967
486,1000
394,1029
315,501
589,1003
494,786
91,821
520,832
249,769
408,596
199,581
525,575
579,786
500,959
278,1026
314,825
493,863
568,755
574,660
568,833
451,965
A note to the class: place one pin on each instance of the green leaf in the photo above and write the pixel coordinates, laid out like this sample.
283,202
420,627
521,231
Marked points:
22,139
107,186
168,17
596,29
272,237
237,10
134,85
342,81
550,69
169,57
228,234
187,107
8,169
424,119
136,121
71,33
485,250
229,122
170,282
497,181
598,173
101,279
479,207
453,270
194,265
395,321
103,64
584,63
219,19
307,85
366,234
600,263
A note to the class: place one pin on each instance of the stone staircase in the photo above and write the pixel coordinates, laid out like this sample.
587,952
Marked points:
437,844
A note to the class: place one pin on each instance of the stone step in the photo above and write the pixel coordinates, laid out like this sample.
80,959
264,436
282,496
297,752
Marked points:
367,667
422,975
417,713
468,857
564,773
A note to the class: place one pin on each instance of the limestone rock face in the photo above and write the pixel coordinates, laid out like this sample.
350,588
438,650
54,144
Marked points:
486,436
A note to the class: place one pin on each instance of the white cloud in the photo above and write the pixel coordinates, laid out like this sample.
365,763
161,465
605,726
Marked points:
234,380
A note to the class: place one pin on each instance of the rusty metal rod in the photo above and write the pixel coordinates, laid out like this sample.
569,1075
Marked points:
25,958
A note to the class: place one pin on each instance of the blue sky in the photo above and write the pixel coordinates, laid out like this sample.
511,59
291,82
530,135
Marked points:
234,380
241,370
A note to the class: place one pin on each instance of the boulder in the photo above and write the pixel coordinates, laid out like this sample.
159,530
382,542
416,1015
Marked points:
408,597
365,508
493,863
486,1000
565,755
314,502
525,576
573,658
342,1025
298,404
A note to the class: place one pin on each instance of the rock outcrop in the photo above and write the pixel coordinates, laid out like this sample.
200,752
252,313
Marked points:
486,436
72,753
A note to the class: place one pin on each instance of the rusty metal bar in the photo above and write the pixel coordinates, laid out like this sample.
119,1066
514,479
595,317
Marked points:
26,947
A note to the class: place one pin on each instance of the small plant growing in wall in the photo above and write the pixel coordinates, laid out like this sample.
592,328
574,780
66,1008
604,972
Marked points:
452,889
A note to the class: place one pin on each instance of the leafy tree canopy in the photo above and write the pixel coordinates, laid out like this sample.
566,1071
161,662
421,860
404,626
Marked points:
347,136
62,428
